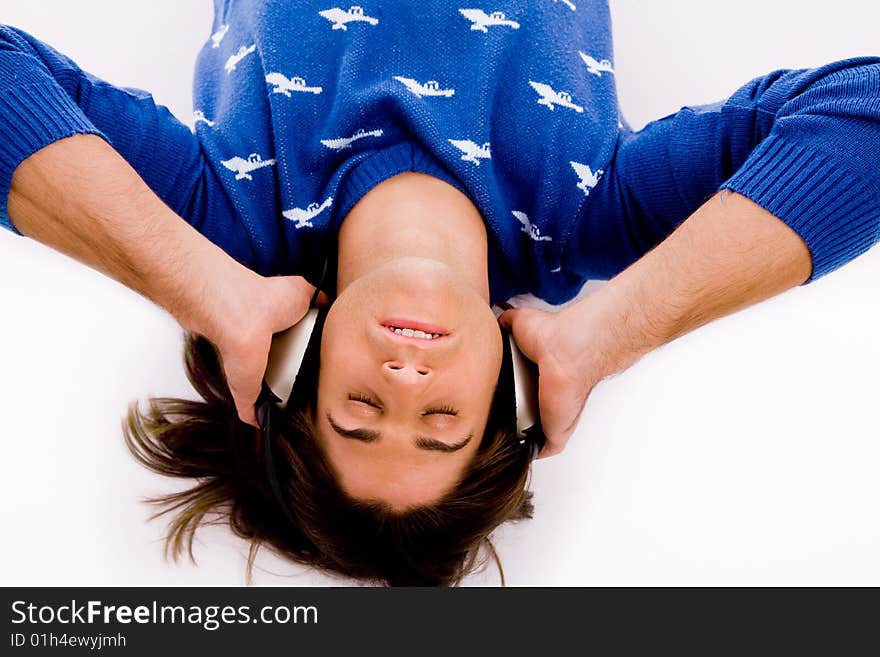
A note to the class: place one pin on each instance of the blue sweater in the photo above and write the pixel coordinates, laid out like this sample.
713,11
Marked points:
301,108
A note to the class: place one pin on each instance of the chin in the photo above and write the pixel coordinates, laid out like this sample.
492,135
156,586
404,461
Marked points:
415,288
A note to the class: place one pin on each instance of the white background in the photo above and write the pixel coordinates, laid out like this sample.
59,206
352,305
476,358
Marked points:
744,453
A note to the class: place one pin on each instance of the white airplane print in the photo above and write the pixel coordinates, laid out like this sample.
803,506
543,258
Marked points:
482,21
243,167
302,218
596,67
342,143
529,228
429,88
233,60
340,18
199,117
588,177
217,37
284,85
549,97
472,152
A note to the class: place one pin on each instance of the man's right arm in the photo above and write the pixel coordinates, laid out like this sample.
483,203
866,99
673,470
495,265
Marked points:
62,183
80,197
110,178
46,97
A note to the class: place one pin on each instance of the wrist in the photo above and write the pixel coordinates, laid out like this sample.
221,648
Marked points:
209,293
729,254
612,339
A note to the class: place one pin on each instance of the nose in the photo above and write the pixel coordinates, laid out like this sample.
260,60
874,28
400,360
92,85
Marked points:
406,372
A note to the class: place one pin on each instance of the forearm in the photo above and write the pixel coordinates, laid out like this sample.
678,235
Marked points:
728,255
78,196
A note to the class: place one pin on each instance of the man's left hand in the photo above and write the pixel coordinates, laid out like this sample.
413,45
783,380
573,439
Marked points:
568,368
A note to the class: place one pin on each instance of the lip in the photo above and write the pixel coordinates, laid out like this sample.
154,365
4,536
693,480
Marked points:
418,342
422,343
415,325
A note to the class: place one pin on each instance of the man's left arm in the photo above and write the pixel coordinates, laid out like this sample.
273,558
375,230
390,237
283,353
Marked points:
730,254
800,203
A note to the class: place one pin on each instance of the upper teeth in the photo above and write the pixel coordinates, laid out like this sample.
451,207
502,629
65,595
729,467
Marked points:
414,334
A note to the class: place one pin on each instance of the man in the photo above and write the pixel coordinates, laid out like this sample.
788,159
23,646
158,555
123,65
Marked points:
793,270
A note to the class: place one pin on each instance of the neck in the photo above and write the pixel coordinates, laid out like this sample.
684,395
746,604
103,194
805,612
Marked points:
414,215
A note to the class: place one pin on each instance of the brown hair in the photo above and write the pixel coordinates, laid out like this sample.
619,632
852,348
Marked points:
437,544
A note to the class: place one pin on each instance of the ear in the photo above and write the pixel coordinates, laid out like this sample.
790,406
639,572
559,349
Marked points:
286,356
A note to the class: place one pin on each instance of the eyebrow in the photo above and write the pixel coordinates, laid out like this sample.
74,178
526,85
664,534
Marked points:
422,442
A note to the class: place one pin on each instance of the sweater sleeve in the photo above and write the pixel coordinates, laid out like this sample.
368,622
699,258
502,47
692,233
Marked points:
803,144
45,96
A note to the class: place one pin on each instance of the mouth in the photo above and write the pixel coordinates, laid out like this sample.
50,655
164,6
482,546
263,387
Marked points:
416,330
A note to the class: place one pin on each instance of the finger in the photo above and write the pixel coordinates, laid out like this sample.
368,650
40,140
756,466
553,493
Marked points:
322,301
245,401
526,326
560,422
290,297
559,415
561,400
244,374
249,417
246,410
509,317
549,449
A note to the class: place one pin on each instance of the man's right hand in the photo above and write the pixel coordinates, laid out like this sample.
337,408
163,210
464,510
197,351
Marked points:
241,320
105,216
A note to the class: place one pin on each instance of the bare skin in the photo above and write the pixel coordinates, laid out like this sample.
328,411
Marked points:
413,250
728,255
80,197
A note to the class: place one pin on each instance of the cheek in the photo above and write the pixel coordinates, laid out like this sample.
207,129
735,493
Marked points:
332,352
487,356
477,382
342,356
343,343
337,343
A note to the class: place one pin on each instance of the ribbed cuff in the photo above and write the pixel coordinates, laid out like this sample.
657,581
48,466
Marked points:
31,117
835,212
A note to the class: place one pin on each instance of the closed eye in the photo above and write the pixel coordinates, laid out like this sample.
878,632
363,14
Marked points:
441,410
363,399
369,401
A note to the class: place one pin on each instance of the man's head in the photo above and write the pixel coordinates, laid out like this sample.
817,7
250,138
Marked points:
410,358
396,454
322,524
400,415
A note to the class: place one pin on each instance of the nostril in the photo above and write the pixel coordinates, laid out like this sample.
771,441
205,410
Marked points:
395,366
